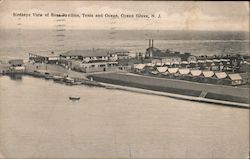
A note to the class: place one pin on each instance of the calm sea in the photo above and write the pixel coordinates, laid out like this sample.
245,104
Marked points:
17,43
39,121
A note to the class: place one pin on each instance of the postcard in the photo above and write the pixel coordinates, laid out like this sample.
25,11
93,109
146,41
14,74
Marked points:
124,79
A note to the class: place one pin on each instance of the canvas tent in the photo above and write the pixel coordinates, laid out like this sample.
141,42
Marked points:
184,71
235,78
162,69
220,75
173,70
196,72
139,66
208,73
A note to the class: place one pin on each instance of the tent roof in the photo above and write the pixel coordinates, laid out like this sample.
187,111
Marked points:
184,71
196,72
184,62
235,77
173,70
201,61
162,69
139,66
216,60
208,73
167,63
209,61
220,75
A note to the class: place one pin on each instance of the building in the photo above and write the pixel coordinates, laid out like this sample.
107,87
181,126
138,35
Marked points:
16,65
94,60
235,79
167,56
122,54
99,66
97,55
87,55
44,57
139,67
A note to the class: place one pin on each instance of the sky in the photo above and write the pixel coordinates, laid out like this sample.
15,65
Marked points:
169,15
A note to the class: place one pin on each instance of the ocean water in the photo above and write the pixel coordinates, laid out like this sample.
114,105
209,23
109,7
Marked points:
18,43
38,122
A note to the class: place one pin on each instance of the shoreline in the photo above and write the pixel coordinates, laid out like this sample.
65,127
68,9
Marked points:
176,96
89,82
228,96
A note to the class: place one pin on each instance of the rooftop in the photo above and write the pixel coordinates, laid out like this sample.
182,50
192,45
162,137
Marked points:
45,53
93,52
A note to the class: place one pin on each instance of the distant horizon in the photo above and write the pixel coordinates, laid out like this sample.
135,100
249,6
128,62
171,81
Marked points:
127,30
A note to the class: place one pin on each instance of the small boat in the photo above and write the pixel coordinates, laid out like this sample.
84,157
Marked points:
74,98
57,78
47,76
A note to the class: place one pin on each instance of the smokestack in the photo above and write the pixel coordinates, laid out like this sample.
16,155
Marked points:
152,43
149,44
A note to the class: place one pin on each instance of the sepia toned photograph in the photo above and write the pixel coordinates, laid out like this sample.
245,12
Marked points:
124,79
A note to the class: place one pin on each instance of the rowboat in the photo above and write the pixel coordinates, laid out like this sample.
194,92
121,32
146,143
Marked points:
74,98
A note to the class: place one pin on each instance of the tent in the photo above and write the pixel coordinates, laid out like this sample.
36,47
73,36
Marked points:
167,63
196,72
162,69
184,71
235,76
139,66
220,75
208,73
173,70
236,79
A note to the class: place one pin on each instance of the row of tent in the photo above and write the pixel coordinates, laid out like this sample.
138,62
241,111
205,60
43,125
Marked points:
227,61
186,71
191,62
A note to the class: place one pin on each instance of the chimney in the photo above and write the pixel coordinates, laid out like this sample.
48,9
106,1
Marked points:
149,45
152,43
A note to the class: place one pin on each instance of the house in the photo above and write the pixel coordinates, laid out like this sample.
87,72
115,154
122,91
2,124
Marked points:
184,64
139,67
235,79
99,66
94,60
201,64
96,55
16,65
122,54
44,57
